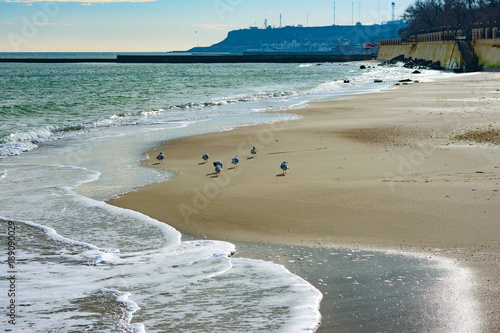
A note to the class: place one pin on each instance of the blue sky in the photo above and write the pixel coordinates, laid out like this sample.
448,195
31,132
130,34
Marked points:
163,25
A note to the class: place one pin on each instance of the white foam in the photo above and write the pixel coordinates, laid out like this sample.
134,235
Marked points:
131,308
303,299
99,255
141,275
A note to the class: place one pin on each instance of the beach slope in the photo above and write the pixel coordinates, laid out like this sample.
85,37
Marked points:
415,168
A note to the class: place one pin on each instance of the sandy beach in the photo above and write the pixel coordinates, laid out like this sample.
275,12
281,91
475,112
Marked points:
415,168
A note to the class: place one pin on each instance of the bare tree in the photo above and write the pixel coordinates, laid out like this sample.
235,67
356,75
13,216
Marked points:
432,15
424,14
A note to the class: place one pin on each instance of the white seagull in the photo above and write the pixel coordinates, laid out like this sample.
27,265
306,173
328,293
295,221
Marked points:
160,157
205,157
235,161
284,167
253,151
218,167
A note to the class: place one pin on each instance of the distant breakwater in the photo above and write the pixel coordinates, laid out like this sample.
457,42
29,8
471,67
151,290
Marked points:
206,58
58,60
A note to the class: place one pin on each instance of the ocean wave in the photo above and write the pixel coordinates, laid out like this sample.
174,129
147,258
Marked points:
131,307
236,99
99,255
23,141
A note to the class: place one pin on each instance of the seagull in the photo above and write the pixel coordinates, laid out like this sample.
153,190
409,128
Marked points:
235,161
284,167
253,151
160,157
205,157
218,167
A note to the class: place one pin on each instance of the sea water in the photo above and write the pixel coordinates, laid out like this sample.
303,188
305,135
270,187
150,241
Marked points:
73,135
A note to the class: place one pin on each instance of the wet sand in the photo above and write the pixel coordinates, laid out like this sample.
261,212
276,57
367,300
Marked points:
416,169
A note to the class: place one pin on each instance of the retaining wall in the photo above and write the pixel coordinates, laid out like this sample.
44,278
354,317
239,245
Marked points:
446,52
488,53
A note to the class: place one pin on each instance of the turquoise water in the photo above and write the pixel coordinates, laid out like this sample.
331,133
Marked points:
43,102
82,265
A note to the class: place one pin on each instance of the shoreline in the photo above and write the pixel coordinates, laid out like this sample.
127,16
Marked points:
374,171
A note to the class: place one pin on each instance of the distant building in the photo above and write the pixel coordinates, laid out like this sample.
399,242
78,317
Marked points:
294,46
371,48
396,22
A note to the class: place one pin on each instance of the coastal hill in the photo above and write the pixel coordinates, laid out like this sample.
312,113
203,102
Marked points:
340,38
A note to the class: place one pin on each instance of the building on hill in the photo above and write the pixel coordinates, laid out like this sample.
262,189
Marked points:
335,39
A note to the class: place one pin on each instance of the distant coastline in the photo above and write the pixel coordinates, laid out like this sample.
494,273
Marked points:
338,39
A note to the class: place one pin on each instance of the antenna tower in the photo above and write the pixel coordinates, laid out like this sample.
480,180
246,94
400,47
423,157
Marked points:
334,13
352,13
378,12
359,14
393,4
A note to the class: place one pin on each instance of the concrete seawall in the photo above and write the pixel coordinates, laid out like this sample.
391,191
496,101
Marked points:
446,52
488,52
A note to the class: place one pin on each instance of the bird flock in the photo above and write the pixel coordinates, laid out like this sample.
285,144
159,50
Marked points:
235,160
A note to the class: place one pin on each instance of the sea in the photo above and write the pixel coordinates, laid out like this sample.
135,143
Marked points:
74,135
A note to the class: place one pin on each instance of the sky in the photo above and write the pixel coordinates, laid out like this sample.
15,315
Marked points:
165,25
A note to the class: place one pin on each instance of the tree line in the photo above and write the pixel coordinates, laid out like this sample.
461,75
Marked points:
436,15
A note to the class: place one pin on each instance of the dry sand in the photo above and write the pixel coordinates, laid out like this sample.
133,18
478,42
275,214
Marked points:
415,168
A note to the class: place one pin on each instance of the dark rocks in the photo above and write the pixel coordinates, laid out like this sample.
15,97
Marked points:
414,63
362,67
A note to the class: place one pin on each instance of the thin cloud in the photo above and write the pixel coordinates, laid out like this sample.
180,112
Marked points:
219,26
55,24
76,1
